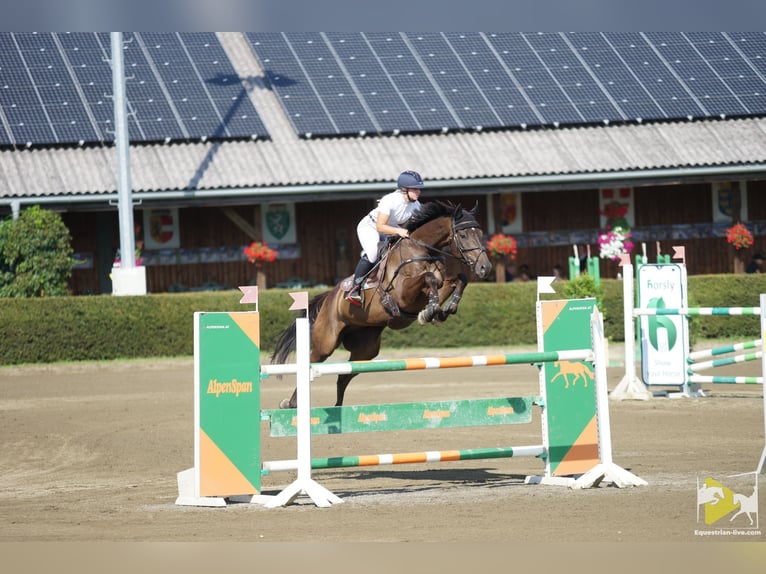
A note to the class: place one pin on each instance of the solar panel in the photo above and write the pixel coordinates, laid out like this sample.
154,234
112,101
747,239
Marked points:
56,89
358,83
331,84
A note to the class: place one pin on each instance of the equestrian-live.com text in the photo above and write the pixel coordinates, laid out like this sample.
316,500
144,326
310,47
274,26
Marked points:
727,532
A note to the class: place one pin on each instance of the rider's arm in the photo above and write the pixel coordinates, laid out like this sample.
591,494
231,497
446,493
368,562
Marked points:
383,227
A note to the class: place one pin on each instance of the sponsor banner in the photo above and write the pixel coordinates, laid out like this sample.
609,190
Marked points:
663,337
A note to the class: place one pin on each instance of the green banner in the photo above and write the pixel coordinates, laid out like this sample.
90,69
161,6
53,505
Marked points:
569,418
227,375
406,416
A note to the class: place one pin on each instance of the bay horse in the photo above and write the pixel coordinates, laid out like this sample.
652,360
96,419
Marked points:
420,277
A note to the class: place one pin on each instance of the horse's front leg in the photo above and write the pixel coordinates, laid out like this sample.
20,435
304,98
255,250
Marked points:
454,298
427,315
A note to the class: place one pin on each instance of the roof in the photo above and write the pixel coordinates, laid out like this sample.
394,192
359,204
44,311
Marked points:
289,165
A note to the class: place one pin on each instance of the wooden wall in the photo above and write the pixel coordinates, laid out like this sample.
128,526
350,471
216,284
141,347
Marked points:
326,233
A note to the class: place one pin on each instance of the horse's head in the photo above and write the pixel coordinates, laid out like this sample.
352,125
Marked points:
468,241
445,225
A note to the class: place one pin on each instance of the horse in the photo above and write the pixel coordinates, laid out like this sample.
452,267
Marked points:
579,370
711,494
420,277
747,505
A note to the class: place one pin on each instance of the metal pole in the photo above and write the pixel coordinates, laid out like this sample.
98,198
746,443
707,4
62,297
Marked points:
125,202
762,462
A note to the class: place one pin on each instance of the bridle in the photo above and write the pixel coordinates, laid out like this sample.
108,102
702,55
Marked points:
462,250
442,254
469,224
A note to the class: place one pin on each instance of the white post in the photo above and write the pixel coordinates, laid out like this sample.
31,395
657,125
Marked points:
630,387
762,462
128,278
606,469
304,483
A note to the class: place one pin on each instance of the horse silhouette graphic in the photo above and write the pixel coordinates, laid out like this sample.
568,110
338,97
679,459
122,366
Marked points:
711,494
578,369
747,505
718,501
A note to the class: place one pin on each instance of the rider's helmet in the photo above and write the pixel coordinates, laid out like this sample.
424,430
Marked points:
410,178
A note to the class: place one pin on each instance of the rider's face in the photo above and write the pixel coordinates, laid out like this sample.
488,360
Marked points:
413,193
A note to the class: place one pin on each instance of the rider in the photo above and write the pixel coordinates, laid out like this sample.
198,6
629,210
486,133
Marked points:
392,211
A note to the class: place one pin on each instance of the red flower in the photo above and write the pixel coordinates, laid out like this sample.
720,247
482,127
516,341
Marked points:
502,247
739,236
260,253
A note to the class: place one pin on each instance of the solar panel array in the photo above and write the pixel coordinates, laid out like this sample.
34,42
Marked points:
55,88
368,83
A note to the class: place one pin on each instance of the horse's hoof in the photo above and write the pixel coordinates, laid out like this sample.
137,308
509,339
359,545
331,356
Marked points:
284,404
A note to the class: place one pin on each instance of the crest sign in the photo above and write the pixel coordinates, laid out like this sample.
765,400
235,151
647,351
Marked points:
278,223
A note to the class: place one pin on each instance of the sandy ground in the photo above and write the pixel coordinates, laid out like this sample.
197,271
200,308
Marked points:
90,452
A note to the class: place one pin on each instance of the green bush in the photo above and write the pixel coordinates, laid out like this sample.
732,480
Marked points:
105,327
583,286
35,255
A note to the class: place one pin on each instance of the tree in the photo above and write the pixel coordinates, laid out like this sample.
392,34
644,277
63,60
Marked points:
35,255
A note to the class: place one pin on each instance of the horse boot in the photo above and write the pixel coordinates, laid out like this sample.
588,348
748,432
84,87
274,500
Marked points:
354,295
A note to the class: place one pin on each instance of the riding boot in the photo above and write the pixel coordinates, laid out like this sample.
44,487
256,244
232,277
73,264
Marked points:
354,295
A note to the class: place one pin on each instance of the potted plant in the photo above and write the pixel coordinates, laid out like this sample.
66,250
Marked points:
616,238
259,253
739,237
502,250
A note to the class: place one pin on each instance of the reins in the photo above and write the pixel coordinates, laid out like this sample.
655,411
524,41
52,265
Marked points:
453,237
409,261
443,253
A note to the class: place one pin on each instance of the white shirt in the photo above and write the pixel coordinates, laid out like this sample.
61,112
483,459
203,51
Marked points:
398,208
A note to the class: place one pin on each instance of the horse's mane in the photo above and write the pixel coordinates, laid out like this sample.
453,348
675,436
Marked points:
434,210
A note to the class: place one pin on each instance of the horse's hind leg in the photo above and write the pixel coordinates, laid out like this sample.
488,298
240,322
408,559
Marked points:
343,381
290,403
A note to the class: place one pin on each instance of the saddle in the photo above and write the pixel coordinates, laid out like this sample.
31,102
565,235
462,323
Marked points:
375,277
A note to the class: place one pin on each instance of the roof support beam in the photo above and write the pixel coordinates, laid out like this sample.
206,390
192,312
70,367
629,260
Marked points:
240,222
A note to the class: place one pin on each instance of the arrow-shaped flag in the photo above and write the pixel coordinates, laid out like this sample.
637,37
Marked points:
300,300
544,285
250,295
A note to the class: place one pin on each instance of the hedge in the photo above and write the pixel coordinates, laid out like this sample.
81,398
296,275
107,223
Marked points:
105,327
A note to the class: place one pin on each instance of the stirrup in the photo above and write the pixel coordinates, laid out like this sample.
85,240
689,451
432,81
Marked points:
354,295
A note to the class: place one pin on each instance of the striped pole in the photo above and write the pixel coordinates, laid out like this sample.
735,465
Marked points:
726,380
725,350
723,362
407,458
378,366
693,311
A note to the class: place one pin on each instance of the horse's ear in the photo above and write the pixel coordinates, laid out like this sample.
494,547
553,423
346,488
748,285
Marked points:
458,212
474,209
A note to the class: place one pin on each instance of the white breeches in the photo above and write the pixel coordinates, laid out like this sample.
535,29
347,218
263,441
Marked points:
369,238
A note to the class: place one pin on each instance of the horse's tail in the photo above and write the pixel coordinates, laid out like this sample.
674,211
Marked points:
286,340
285,343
